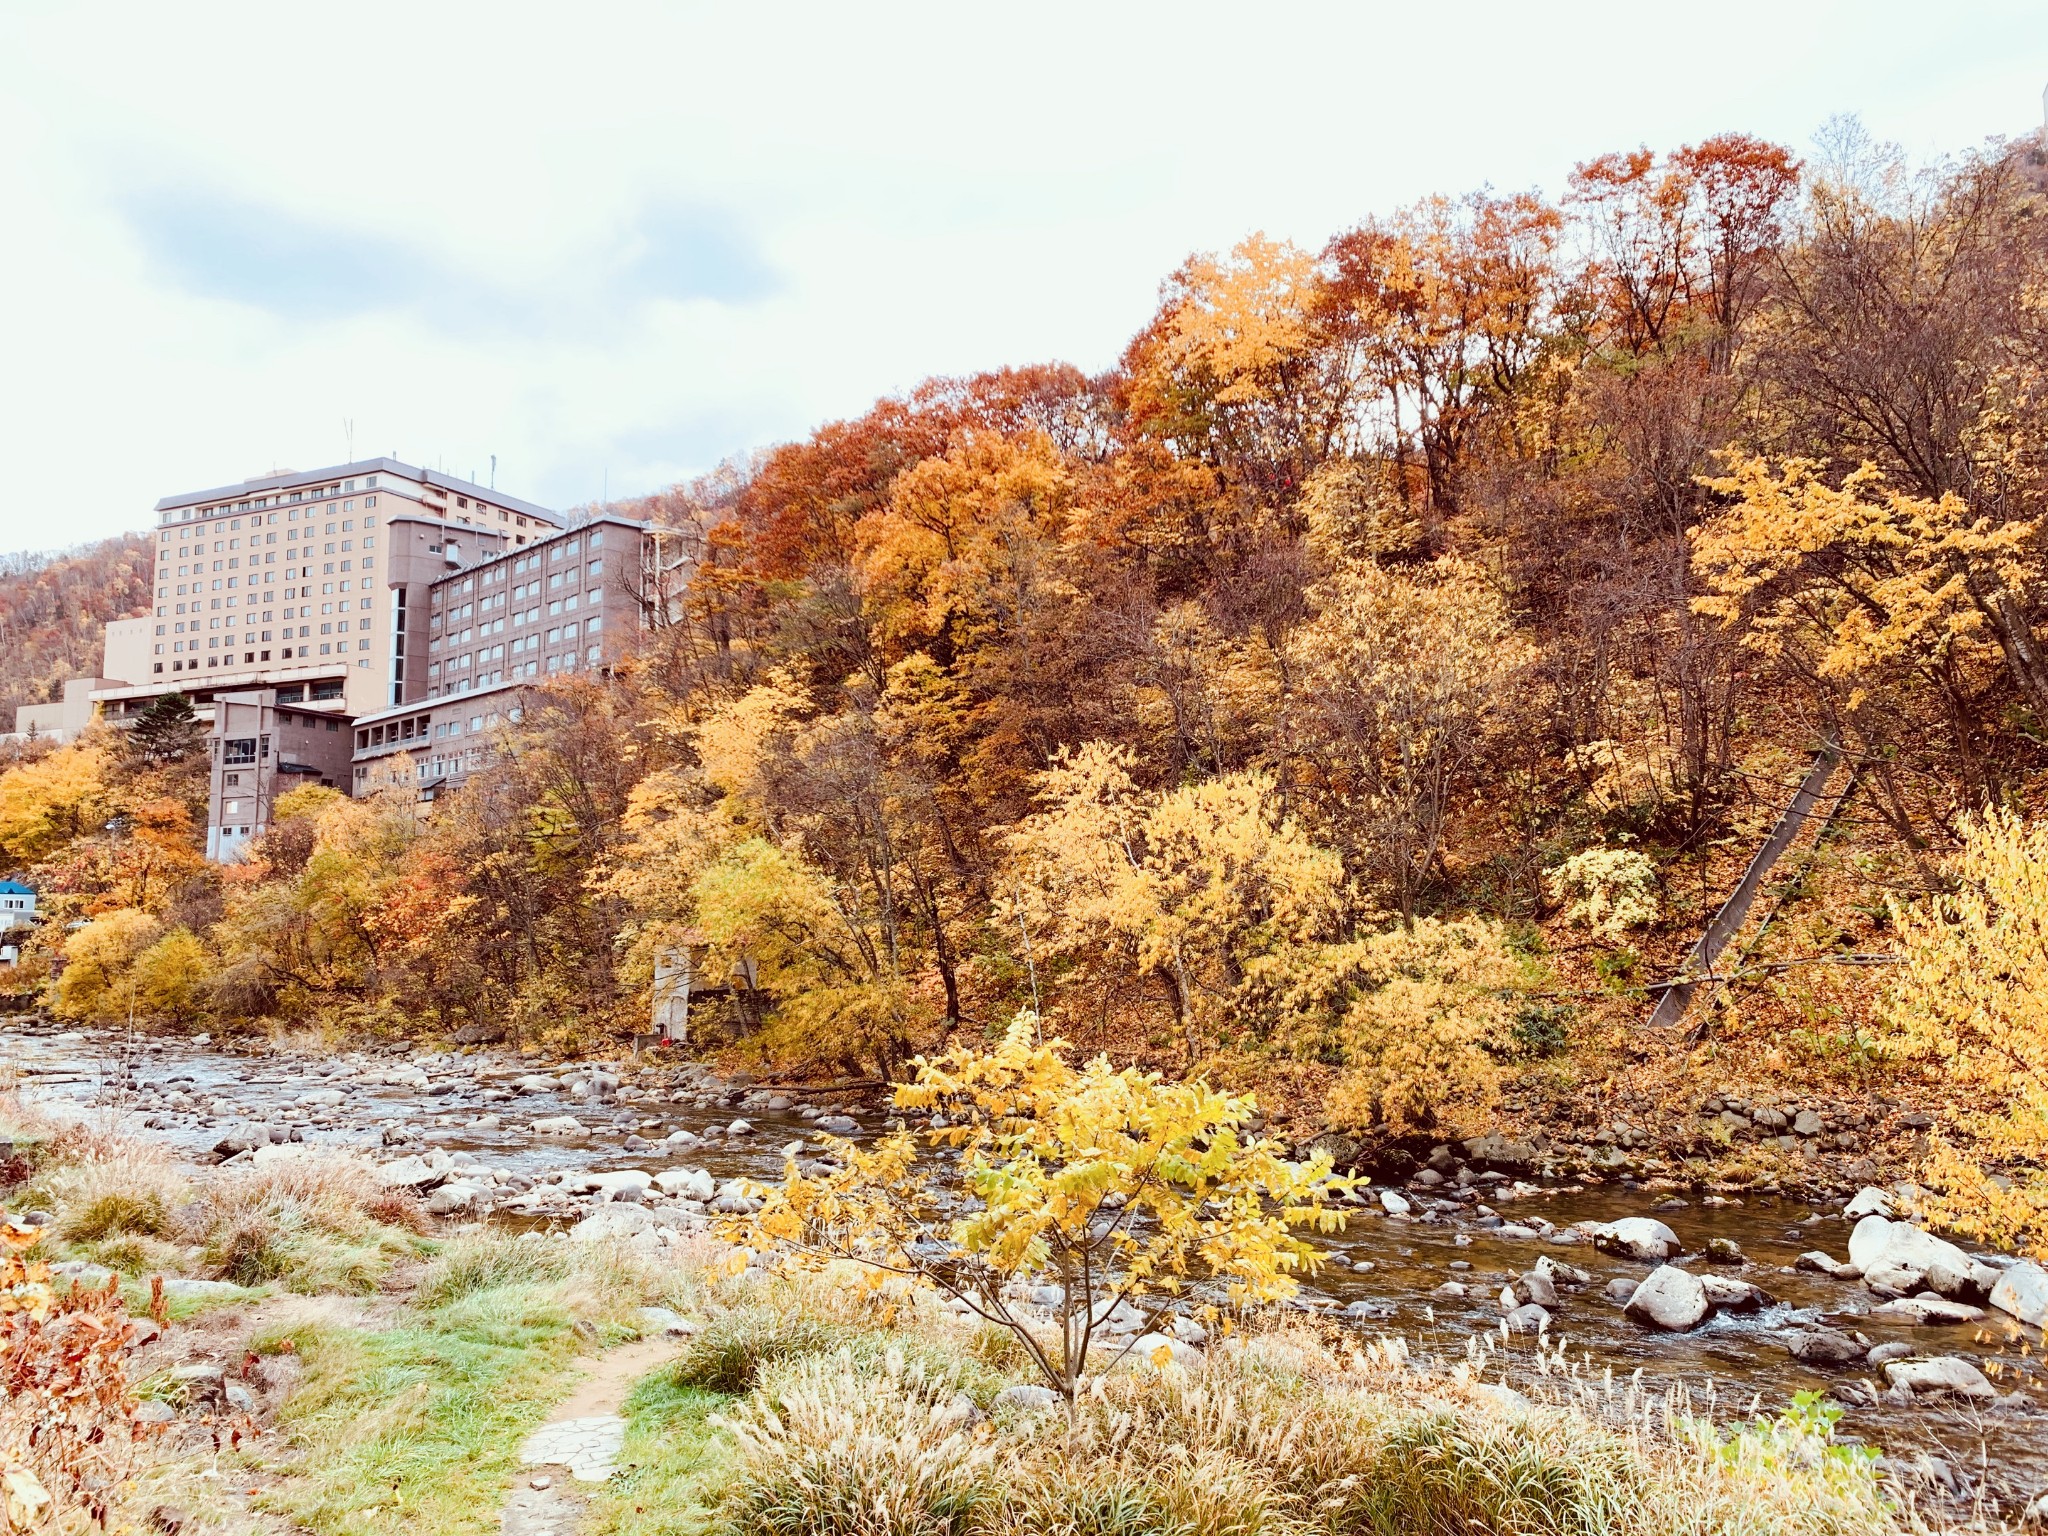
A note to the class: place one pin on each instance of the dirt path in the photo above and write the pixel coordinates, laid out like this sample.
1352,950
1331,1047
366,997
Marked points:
579,1442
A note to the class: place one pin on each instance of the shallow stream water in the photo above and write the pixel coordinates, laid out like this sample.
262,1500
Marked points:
1736,1359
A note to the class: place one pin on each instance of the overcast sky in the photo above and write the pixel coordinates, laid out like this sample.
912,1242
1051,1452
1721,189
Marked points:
614,243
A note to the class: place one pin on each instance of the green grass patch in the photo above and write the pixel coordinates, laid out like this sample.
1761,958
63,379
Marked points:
422,1422
674,1460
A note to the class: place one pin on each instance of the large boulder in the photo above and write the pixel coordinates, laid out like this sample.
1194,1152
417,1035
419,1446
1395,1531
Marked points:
689,1183
1869,1201
1896,1255
1943,1376
2022,1292
1669,1298
1638,1237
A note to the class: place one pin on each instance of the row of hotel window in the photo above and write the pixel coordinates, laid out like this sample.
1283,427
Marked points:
251,658
561,662
258,519
500,569
420,730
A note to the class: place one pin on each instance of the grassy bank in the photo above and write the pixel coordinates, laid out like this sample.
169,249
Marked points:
819,1405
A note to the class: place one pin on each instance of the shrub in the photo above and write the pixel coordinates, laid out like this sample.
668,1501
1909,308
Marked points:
1606,890
727,1356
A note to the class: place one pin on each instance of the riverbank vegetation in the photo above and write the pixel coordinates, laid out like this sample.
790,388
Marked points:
813,1401
1362,692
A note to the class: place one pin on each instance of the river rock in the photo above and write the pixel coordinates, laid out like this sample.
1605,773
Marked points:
411,1173
1395,1203
664,1320
1824,1347
1026,1399
1728,1295
1869,1201
1498,1151
557,1125
1537,1288
322,1098
612,1185
1973,1284
1927,1311
1884,1354
1639,1237
1146,1348
1895,1256
451,1198
1723,1250
689,1183
1527,1319
1942,1376
1826,1264
534,1082
1619,1289
1561,1273
1808,1123
1669,1298
609,1222
2022,1292
837,1125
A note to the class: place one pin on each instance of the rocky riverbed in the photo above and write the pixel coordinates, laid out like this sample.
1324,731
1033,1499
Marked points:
1932,1350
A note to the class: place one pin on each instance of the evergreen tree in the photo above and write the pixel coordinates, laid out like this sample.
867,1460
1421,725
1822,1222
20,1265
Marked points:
168,731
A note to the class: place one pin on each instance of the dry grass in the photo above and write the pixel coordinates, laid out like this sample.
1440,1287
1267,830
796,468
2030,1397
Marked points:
1277,1436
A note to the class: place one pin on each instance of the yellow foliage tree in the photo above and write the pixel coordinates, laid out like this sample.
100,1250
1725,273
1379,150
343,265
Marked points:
1973,995
1113,1187
1606,890
1400,675
49,802
944,555
819,954
1856,582
1416,1016
99,981
1190,884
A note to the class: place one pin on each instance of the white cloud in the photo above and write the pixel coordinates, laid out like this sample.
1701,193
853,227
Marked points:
627,240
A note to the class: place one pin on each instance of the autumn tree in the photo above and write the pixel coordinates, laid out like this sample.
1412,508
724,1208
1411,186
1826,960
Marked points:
1867,594
1112,1186
1972,996
1399,679
1189,885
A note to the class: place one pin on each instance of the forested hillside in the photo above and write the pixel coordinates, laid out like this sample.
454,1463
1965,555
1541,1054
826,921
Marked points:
1365,689
54,610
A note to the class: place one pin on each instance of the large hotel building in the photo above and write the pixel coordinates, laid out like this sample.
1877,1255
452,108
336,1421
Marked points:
327,623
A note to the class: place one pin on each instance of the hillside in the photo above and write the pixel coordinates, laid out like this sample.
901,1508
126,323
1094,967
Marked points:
54,608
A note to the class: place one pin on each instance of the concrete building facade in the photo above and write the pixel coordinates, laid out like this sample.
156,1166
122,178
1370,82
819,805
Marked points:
316,573
265,743
570,603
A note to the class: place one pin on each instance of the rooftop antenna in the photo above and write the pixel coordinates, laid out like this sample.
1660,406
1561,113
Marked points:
494,471
348,432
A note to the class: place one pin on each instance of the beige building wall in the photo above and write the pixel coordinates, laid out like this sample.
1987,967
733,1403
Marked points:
127,656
